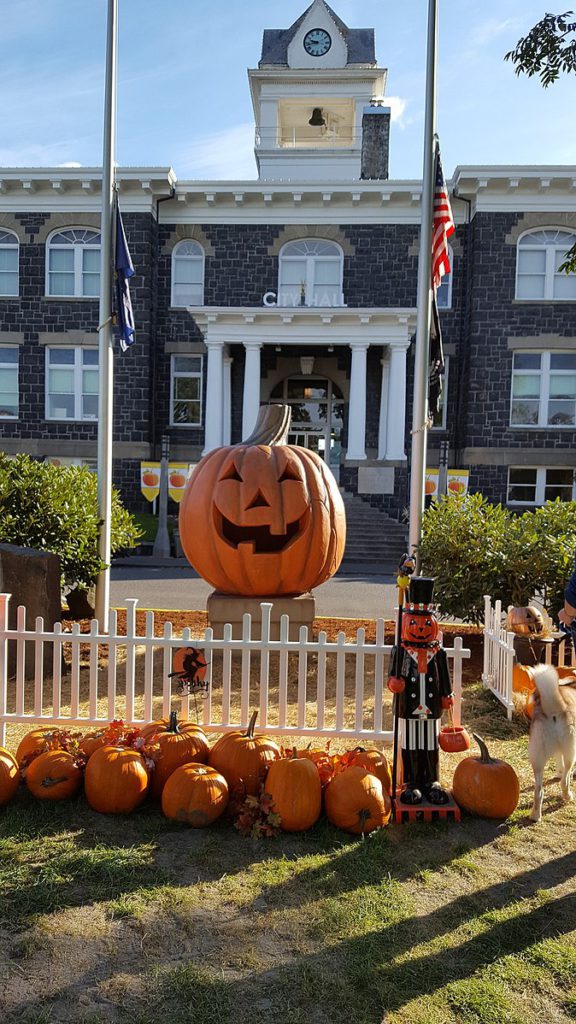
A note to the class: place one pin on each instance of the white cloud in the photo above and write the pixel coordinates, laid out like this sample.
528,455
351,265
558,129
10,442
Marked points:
397,107
226,154
492,29
70,163
38,155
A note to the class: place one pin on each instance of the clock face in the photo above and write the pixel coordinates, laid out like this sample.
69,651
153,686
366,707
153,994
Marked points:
317,42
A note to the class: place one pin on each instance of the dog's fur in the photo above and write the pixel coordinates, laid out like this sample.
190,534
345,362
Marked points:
552,731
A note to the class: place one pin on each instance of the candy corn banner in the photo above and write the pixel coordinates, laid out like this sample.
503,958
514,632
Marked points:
458,481
178,473
150,479
431,484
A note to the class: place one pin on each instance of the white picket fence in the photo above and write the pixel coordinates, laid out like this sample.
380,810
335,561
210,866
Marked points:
499,655
301,687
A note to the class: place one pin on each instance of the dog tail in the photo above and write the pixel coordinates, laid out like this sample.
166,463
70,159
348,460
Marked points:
546,681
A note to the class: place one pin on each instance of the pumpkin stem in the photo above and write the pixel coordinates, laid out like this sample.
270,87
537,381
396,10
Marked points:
173,722
272,425
484,755
251,725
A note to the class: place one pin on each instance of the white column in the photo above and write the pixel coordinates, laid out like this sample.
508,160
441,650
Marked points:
213,414
383,420
396,402
251,401
357,405
227,401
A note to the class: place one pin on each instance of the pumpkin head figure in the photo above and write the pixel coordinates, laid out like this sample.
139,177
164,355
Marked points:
419,626
263,519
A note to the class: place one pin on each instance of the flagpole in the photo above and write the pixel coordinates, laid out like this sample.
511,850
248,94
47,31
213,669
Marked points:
420,406
105,340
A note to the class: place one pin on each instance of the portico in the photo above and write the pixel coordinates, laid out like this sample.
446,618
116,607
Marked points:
294,330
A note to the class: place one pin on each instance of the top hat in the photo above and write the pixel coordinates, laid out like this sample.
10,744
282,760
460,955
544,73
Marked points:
421,590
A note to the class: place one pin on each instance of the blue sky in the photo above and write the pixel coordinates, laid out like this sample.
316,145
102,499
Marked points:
184,98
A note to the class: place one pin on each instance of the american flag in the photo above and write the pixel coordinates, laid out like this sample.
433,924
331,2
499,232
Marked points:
442,226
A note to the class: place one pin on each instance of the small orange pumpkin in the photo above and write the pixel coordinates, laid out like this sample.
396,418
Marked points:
263,517
150,479
92,741
453,739
53,775
35,742
294,786
356,801
374,761
178,743
195,794
485,785
243,758
9,776
116,780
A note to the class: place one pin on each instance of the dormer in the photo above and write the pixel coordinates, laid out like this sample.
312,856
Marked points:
309,91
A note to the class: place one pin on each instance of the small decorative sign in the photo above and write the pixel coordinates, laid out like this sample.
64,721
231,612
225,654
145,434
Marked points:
150,479
178,473
431,484
458,481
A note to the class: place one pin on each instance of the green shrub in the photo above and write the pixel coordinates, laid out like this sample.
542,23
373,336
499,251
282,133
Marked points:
475,548
55,508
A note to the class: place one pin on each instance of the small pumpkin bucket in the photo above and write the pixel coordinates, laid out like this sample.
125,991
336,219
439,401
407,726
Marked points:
453,739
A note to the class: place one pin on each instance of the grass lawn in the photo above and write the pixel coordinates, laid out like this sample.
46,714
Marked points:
134,919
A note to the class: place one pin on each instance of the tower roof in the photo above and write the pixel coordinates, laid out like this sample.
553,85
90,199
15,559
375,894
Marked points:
360,41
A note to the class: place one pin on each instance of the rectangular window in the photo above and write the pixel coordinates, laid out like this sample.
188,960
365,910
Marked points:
8,383
186,391
543,389
9,270
528,485
71,384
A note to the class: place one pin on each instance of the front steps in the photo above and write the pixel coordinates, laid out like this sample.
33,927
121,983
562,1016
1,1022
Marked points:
374,542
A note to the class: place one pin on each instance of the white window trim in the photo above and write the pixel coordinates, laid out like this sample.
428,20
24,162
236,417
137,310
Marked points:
550,269
544,374
78,368
449,280
193,373
15,245
78,250
200,257
446,376
309,283
540,494
10,366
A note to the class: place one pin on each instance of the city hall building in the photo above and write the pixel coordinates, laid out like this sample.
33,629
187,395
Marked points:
299,287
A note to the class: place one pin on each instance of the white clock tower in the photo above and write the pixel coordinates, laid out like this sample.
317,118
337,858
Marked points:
309,93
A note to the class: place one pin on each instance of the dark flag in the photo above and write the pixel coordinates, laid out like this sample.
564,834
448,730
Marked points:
124,270
442,228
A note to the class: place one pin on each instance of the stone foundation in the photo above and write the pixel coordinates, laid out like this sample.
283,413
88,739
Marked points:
223,608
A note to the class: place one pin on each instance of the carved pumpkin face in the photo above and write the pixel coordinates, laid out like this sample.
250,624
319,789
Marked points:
263,520
525,621
419,626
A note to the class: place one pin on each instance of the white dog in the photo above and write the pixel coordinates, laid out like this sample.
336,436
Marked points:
552,731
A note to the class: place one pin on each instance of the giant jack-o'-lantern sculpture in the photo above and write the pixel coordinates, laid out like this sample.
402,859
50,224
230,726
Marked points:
263,518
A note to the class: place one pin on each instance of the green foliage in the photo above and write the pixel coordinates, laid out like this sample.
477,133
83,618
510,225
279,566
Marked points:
55,508
475,548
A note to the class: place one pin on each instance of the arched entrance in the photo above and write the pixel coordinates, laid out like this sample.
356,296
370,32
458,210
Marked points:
317,406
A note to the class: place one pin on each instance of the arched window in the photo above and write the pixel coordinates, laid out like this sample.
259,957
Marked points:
540,253
187,274
9,247
444,292
73,263
310,274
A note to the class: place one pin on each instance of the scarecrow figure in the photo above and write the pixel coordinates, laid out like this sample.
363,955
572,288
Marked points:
421,682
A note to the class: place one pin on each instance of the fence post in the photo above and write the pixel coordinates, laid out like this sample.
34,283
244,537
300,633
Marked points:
4,599
457,681
487,625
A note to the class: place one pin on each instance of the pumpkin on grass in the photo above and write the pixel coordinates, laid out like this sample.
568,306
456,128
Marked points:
195,794
356,801
243,758
9,776
35,742
91,742
485,785
54,775
294,786
116,780
178,743
373,760
263,517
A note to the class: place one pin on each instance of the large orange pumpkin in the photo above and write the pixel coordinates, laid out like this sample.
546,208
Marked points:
356,801
243,758
178,743
485,785
525,621
9,776
116,780
261,519
195,794
53,775
294,786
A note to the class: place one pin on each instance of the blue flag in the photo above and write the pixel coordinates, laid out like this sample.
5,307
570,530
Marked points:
123,272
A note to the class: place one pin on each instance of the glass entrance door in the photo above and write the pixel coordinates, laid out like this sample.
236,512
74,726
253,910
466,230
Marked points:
317,416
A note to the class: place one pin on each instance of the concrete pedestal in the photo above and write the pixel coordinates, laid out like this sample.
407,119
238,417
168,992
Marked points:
223,608
32,578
